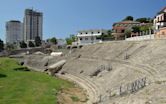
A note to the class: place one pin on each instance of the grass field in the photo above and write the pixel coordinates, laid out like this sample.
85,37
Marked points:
27,87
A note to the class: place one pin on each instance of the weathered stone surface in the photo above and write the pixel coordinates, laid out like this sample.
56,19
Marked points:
147,59
55,68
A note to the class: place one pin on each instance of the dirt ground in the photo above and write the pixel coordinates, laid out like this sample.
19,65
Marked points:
72,96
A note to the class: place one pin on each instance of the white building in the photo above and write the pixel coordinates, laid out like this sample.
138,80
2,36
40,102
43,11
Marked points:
33,25
159,20
86,37
14,31
160,24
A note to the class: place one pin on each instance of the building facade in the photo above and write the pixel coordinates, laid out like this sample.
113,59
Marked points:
86,37
160,24
119,28
14,31
33,25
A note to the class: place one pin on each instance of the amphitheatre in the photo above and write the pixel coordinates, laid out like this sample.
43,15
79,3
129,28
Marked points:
117,72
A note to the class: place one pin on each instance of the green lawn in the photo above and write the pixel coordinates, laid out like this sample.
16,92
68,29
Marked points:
21,87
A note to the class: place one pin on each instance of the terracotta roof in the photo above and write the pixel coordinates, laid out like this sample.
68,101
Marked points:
128,22
119,27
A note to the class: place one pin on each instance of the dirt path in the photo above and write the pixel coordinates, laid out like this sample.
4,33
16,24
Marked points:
72,96
89,86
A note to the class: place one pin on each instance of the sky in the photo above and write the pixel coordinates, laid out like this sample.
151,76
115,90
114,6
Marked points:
61,18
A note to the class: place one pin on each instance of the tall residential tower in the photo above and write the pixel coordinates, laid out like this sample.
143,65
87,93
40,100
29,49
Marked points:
14,33
33,25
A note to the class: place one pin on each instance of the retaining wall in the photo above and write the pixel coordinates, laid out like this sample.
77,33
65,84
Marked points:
138,38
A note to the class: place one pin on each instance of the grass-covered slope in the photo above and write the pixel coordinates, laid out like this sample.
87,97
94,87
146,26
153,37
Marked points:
27,87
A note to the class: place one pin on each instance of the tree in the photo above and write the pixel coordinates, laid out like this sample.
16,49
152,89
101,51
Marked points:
144,20
144,28
31,44
127,33
136,29
23,44
106,36
1,45
109,32
37,41
53,40
10,46
128,18
71,39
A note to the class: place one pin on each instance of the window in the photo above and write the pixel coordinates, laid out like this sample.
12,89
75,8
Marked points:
86,33
163,18
91,32
123,31
99,32
80,38
158,18
86,38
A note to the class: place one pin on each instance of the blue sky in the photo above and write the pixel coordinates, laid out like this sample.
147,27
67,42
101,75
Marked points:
65,17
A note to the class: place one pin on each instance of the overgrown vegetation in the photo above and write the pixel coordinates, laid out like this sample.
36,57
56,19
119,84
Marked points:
31,44
128,18
71,39
144,20
38,41
75,98
137,29
1,45
27,87
23,44
53,40
106,36
10,46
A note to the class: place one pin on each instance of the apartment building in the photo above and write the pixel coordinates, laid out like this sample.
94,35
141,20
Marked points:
14,31
119,28
86,37
33,25
160,24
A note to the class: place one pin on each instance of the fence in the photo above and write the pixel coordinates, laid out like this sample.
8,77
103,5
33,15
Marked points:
138,38
130,87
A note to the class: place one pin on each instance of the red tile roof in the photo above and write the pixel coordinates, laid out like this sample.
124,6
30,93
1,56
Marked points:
128,22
